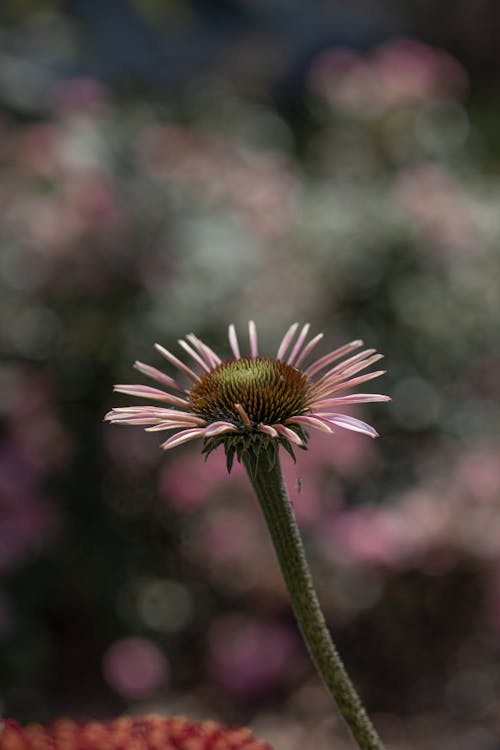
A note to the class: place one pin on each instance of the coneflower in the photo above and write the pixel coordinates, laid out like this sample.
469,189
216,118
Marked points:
252,405
240,399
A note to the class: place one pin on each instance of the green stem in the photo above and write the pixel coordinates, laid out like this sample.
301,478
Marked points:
269,486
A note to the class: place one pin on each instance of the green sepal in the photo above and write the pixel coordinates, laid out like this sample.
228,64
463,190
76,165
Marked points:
241,443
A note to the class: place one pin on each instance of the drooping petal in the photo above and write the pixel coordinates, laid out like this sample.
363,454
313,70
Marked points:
217,428
289,434
164,426
133,420
320,364
286,341
156,412
177,363
182,437
252,335
233,341
145,391
158,375
298,344
310,421
267,430
349,423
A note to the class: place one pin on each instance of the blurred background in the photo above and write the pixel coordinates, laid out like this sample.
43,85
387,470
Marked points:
168,167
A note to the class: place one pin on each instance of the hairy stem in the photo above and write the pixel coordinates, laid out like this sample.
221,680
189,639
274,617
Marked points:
265,475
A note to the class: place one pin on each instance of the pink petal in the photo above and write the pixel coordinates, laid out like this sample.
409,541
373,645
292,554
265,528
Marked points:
326,389
194,355
177,363
182,437
217,428
298,344
308,349
211,357
355,398
347,371
287,338
310,421
288,434
152,372
332,356
156,412
252,335
349,423
144,391
233,341
267,430
172,424
133,420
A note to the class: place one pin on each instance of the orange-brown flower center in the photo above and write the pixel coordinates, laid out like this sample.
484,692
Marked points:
270,391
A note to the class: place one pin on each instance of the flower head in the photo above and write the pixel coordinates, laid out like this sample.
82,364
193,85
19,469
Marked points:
252,400
127,733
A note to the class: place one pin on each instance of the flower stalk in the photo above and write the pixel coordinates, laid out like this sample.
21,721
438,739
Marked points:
265,475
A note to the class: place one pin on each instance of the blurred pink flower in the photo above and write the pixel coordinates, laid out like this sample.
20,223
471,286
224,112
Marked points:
399,73
77,95
33,423
29,523
261,187
249,657
441,209
135,667
477,474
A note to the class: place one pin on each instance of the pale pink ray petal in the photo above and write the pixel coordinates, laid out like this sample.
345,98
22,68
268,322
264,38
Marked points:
267,430
348,369
298,344
218,428
145,391
310,421
347,363
349,423
150,414
332,356
252,335
177,363
127,412
355,398
157,375
211,357
194,355
308,349
233,341
158,412
286,341
288,434
175,424
326,389
182,437
133,420
345,375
